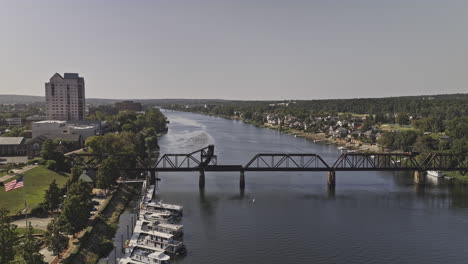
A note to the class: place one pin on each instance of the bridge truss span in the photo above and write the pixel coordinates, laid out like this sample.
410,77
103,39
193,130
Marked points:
286,162
204,160
376,162
187,162
446,162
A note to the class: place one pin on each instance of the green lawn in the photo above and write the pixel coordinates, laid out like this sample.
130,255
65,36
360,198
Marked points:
36,181
353,114
21,231
388,127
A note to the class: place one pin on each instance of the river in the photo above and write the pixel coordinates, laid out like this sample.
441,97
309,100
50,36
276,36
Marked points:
371,217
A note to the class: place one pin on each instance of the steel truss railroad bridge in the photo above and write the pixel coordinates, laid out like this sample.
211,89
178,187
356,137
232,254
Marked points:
204,160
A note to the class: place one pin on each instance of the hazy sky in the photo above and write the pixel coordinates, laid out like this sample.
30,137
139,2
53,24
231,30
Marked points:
238,49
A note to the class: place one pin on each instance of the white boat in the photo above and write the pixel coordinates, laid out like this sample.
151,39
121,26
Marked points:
148,226
341,148
158,240
166,217
437,174
137,254
176,210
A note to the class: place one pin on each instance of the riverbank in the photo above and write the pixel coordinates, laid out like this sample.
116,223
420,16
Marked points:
320,138
97,241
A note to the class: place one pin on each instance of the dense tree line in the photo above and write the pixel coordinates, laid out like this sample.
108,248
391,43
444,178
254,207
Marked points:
131,121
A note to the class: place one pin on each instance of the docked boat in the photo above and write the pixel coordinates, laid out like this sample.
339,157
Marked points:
165,217
158,226
341,148
436,174
159,240
176,210
139,254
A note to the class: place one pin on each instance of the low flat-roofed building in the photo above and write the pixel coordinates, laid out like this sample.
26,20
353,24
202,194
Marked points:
83,128
12,146
47,127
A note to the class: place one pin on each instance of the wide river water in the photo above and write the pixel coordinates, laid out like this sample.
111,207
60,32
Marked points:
372,217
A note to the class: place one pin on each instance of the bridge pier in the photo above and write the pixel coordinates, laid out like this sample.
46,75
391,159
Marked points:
419,177
242,180
152,177
331,179
201,179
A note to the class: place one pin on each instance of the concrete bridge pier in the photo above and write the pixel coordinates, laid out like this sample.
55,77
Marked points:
419,177
331,179
201,179
242,180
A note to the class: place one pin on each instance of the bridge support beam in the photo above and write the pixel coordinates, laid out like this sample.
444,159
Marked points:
242,180
331,179
419,177
201,179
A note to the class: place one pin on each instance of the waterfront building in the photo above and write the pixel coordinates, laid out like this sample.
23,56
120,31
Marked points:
128,106
65,97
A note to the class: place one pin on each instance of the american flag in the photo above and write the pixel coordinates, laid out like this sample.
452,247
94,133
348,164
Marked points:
15,184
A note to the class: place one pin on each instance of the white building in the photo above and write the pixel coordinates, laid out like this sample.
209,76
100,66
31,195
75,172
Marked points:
65,97
58,127
13,121
48,127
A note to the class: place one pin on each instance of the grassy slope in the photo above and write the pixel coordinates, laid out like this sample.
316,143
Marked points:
21,231
36,181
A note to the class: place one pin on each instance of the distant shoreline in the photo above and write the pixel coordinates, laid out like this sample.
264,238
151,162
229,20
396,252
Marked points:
318,138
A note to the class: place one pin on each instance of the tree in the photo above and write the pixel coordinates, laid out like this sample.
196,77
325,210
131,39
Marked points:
107,173
76,172
28,249
53,237
48,150
402,119
424,144
155,119
458,127
52,196
8,237
76,207
51,165
53,150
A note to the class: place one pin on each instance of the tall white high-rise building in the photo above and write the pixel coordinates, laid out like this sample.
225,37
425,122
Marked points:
65,97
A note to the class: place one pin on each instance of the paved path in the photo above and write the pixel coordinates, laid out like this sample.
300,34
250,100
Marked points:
16,172
48,257
38,223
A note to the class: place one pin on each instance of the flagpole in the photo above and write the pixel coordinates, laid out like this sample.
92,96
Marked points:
25,203
26,214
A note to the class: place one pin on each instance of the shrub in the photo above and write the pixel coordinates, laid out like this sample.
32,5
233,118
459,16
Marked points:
39,161
51,165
